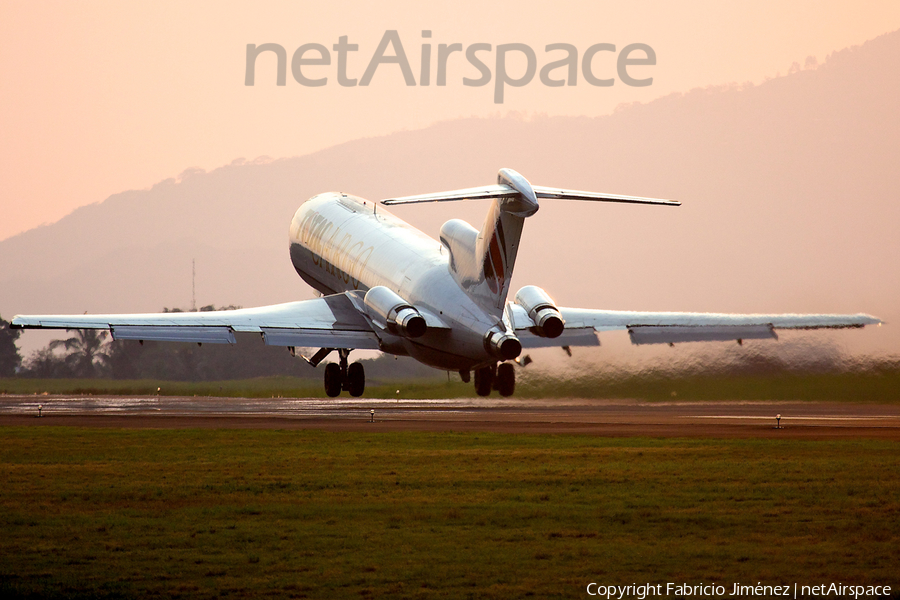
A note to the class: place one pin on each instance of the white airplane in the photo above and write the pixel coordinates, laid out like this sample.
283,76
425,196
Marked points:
387,286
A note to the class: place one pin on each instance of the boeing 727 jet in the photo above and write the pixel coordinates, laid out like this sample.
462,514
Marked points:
387,286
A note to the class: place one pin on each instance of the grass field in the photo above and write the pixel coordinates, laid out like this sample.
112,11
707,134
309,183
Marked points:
264,513
875,386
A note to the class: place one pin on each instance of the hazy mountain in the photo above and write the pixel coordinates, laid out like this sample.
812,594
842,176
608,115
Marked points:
790,192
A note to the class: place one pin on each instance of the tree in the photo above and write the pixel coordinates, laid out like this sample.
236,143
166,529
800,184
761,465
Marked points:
9,352
125,359
45,364
84,350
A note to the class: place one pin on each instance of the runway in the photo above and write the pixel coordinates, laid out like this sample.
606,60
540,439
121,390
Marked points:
810,420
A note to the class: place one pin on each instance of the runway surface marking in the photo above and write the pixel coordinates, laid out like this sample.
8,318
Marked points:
804,418
568,415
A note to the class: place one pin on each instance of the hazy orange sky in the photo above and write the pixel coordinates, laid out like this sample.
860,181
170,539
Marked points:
100,97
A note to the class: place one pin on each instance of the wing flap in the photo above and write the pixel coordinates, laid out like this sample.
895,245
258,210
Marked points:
569,337
676,334
168,333
322,338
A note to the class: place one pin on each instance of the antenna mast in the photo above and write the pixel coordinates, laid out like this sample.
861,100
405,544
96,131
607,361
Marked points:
193,285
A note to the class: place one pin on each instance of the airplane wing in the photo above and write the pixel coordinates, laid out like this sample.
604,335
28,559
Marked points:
674,327
328,322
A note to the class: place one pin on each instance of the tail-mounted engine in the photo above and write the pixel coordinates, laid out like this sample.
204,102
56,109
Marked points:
393,313
542,310
502,345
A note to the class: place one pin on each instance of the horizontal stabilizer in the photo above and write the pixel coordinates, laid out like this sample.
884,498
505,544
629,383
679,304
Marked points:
560,194
476,193
507,186
505,191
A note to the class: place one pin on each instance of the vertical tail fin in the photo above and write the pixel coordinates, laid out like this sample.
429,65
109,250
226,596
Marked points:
495,252
482,262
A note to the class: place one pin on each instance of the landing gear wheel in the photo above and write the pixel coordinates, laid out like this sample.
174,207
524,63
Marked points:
506,379
332,379
356,379
484,381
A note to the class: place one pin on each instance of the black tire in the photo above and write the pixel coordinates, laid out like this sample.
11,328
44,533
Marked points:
484,381
506,379
333,379
356,379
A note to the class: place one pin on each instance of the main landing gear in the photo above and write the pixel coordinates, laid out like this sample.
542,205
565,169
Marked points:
341,376
500,377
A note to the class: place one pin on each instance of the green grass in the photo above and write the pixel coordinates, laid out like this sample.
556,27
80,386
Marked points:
228,513
873,386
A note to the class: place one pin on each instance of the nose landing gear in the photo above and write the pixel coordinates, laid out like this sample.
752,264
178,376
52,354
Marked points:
341,376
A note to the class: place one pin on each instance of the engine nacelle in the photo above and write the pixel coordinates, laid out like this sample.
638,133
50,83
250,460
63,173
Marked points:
504,346
393,313
542,310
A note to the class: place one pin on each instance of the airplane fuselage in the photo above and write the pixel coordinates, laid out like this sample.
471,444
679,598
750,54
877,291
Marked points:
342,243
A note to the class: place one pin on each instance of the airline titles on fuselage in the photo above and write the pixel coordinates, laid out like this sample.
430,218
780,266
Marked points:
338,254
